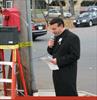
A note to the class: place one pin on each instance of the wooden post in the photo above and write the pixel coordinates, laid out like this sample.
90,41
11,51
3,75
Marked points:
26,35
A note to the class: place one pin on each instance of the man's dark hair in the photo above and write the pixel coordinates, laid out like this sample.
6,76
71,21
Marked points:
0,9
57,20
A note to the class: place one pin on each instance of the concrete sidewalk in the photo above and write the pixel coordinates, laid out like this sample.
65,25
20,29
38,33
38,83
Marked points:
52,93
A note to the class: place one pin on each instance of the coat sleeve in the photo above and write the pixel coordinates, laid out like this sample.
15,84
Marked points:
50,50
74,54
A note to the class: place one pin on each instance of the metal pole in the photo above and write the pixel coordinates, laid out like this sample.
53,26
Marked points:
71,2
4,3
29,29
33,9
48,11
61,8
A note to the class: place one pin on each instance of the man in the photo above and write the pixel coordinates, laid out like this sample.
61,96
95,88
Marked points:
65,51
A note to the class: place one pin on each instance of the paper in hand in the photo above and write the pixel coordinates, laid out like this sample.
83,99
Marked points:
51,65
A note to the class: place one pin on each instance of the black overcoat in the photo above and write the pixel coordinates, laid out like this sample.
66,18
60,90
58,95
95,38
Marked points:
66,50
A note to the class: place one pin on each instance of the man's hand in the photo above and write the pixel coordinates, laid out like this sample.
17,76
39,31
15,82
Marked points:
54,61
50,43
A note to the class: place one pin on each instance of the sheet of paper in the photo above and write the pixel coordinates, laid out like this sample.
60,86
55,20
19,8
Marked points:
51,65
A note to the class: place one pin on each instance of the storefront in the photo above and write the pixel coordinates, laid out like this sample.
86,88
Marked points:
6,3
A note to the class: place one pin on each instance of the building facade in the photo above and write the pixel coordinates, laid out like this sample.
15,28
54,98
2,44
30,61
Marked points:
43,3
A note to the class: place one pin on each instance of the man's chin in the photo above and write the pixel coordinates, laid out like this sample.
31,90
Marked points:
57,34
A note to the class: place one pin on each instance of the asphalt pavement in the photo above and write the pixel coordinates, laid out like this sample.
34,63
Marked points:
87,65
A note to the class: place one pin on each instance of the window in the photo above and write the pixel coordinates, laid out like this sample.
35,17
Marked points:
94,14
8,4
88,3
1,4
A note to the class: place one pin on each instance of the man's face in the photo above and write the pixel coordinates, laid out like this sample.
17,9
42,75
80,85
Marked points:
55,29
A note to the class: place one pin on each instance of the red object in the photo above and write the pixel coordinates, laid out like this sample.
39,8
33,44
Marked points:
15,59
56,98
21,72
13,92
11,17
3,69
33,27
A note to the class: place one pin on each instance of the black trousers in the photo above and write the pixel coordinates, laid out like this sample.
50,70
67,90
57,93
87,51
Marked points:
65,82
